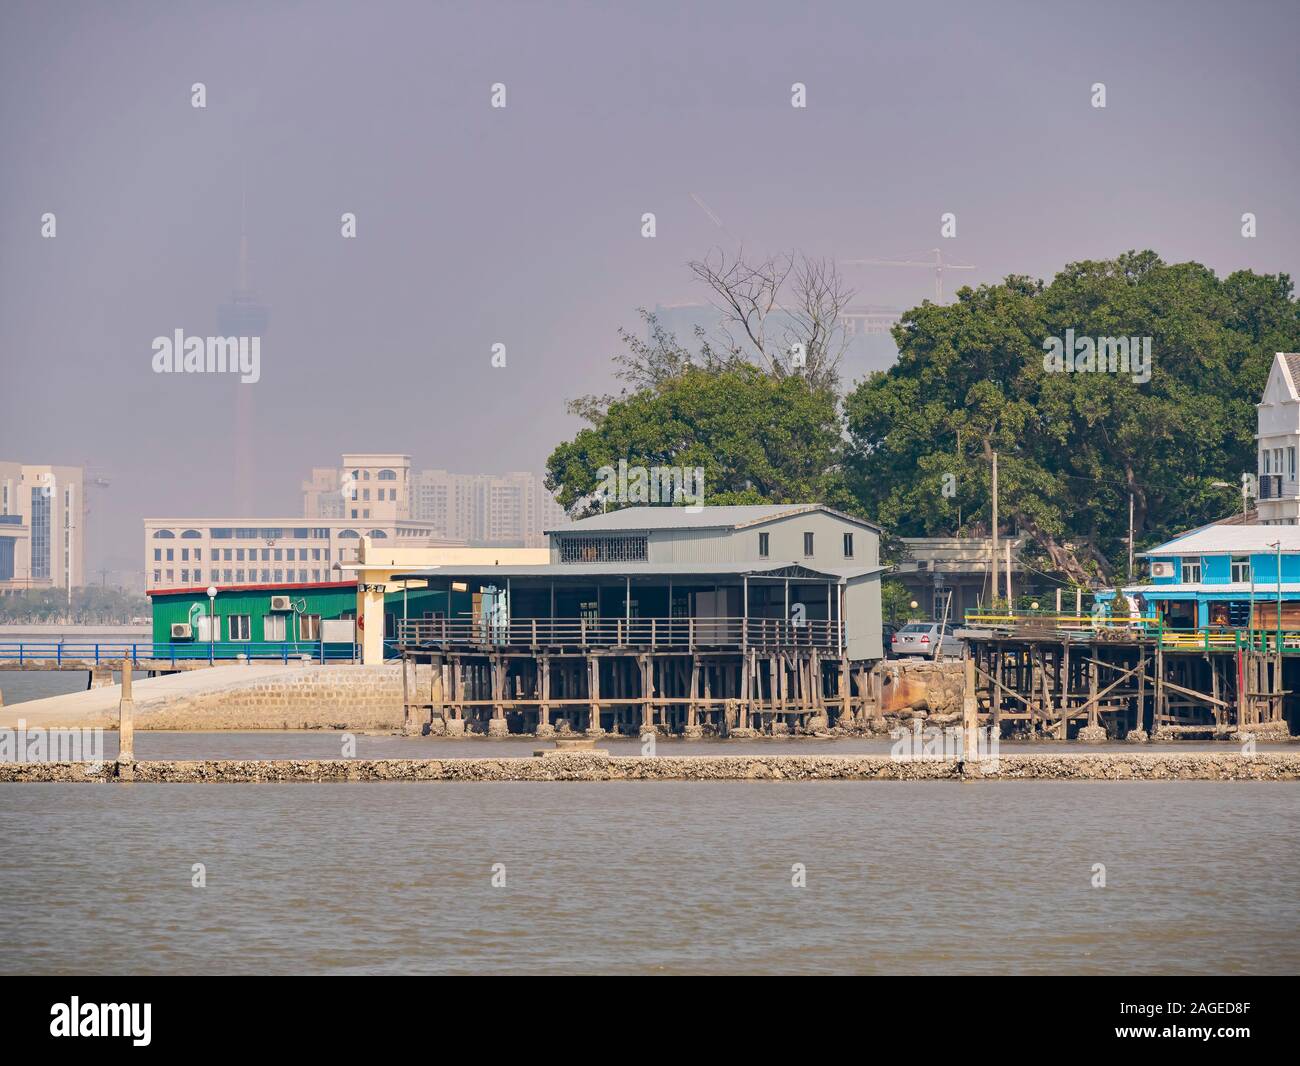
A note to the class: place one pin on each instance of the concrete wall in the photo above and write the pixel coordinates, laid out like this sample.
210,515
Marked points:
239,697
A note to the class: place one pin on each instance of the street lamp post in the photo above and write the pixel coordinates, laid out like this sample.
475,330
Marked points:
212,633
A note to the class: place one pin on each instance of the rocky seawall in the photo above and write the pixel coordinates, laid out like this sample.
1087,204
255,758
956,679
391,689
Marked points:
594,766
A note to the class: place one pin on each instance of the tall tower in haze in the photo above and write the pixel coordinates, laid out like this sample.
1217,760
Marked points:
243,316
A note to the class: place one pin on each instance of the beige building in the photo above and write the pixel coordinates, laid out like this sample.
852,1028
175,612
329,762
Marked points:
378,560
42,524
191,552
367,487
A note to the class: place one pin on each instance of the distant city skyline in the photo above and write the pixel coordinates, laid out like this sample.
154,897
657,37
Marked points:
522,226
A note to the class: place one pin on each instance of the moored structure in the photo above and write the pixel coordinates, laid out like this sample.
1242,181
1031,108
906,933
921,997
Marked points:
725,620
1210,647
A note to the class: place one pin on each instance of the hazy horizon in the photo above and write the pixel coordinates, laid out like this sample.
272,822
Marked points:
522,225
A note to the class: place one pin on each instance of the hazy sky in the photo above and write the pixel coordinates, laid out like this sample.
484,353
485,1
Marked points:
522,225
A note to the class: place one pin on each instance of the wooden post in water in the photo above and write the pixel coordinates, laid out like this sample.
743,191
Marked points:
410,720
126,726
970,711
497,723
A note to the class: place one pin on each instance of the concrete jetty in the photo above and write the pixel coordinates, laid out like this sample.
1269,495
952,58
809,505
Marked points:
597,766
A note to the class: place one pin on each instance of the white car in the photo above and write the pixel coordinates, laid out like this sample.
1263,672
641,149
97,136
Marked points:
919,638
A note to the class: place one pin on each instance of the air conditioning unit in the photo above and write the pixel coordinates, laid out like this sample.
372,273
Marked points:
281,603
181,631
1162,569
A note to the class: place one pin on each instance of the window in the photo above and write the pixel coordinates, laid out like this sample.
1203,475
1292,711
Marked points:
239,626
1241,568
209,628
157,555
309,626
848,545
1191,571
387,475
1290,463
602,549
273,627
764,545
807,545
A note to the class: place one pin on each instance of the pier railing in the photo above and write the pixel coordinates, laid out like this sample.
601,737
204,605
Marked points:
1143,628
58,655
684,633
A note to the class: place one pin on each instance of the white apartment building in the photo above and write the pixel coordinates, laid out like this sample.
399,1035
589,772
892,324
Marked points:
1277,441
42,523
367,487
194,552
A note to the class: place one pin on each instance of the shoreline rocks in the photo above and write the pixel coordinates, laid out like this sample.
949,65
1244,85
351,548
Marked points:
596,766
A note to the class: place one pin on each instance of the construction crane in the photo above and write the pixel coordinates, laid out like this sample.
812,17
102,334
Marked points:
938,264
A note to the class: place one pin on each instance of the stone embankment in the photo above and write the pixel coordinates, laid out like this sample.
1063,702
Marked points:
594,766
245,697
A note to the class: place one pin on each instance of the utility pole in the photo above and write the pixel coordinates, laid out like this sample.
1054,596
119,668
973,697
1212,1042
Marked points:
994,552
1130,538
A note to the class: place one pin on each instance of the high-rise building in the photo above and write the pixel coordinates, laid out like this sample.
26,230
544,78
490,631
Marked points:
244,315
42,523
506,509
368,486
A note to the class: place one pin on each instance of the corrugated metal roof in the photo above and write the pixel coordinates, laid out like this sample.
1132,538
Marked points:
579,570
1209,540
730,517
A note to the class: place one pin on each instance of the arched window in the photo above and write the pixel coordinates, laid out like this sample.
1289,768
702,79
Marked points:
348,533
191,534
378,534
387,475
163,534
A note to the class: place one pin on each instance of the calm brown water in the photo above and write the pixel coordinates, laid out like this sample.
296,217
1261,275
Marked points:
665,877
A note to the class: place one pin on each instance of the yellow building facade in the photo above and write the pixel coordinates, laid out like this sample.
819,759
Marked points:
378,561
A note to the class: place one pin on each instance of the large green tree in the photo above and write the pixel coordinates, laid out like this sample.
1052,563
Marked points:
758,438
971,380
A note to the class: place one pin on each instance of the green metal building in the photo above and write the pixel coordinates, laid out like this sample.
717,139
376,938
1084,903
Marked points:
282,620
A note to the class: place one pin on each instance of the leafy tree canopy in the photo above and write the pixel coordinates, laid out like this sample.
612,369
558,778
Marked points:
758,438
970,380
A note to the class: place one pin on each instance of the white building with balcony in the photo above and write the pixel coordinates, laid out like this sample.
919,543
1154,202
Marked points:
1277,441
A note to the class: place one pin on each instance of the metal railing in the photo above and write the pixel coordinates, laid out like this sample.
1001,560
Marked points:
624,632
1185,638
39,653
